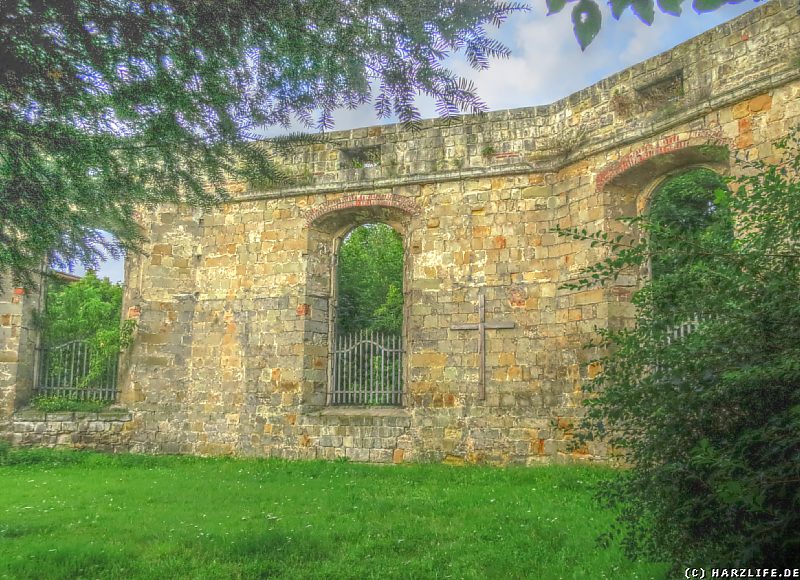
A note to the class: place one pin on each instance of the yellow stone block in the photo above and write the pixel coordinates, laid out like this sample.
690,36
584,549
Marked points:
429,359
760,103
740,110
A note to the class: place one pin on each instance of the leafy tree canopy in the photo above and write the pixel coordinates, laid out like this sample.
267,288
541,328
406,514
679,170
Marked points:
370,280
78,310
691,205
108,104
587,19
704,391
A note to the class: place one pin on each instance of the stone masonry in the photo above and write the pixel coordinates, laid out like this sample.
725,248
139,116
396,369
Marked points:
234,305
17,348
104,431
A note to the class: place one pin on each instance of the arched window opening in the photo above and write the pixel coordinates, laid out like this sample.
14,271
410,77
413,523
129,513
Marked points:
689,229
367,366
80,329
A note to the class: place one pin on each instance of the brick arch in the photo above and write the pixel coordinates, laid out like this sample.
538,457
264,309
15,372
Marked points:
637,169
628,184
387,200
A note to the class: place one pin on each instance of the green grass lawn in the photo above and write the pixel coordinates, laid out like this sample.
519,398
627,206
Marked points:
82,515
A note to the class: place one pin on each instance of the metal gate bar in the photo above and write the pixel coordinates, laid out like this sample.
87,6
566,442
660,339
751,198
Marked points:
63,368
367,369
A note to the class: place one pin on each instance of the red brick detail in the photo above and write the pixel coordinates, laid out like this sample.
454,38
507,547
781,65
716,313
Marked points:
362,200
517,298
303,310
622,293
134,312
664,145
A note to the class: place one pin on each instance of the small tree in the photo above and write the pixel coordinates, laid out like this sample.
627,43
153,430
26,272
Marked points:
710,421
370,280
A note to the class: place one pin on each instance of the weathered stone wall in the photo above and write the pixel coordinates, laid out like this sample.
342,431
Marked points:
233,343
17,348
235,305
106,431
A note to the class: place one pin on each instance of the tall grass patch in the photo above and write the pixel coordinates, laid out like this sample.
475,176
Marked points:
82,515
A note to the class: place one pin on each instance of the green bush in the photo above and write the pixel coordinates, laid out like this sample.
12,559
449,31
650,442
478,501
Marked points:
53,404
711,421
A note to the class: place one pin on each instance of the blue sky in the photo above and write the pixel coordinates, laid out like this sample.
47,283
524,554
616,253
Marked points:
546,63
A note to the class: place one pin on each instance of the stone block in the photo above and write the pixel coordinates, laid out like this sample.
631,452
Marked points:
357,454
537,191
380,455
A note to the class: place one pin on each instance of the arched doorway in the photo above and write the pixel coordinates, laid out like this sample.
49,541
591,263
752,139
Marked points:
683,208
80,331
367,362
327,233
689,230
629,194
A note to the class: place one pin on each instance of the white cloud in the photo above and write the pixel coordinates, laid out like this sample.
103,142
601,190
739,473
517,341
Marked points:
546,63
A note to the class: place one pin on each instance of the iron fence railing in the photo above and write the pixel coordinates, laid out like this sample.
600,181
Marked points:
65,371
682,330
367,369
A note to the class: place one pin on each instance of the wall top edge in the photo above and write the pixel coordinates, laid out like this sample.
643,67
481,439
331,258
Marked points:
748,56
753,16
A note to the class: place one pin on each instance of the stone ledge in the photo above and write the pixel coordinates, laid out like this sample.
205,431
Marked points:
363,412
28,415
107,415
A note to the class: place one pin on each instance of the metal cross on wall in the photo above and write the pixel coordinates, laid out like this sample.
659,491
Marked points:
481,328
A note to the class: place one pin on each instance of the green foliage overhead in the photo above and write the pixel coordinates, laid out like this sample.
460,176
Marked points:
370,280
587,19
106,105
710,421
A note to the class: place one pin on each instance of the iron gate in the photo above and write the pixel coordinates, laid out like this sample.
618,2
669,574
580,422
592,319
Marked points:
65,371
367,369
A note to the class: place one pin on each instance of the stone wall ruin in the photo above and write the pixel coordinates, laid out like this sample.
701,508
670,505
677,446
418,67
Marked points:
233,343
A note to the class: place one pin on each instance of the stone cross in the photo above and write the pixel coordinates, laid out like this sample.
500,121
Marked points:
481,328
